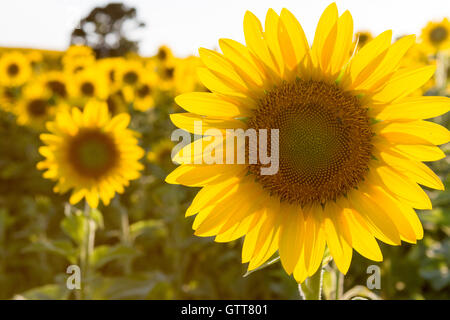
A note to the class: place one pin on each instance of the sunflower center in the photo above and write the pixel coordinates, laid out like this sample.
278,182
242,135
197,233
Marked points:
144,91
87,88
37,107
92,153
324,141
112,106
362,39
130,77
438,34
57,88
168,73
13,69
162,54
112,75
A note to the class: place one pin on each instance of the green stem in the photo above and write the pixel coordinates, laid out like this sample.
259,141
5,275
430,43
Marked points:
87,249
311,288
339,288
126,240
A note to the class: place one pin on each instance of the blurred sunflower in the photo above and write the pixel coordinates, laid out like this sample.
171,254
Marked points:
77,58
56,82
116,103
350,143
436,35
15,69
164,54
35,108
35,57
8,97
110,67
88,84
185,76
130,73
90,153
418,57
166,72
363,37
144,93
161,152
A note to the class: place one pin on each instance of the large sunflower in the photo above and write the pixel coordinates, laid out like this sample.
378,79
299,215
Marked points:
91,153
351,143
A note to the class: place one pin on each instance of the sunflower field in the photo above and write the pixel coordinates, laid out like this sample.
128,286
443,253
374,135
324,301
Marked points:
87,177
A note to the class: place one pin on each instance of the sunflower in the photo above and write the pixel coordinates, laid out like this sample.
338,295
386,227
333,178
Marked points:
436,35
161,152
8,97
15,69
351,143
166,72
110,67
185,77
77,58
88,84
35,58
130,73
164,54
91,153
144,93
35,107
56,82
116,103
363,37
418,57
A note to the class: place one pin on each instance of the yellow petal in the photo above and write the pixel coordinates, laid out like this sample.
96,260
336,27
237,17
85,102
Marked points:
201,175
390,62
291,236
210,194
403,82
216,63
255,41
401,186
343,42
413,108
314,241
271,36
294,45
425,130
209,104
192,122
362,239
368,212
367,58
241,59
325,36
416,171
337,236
390,207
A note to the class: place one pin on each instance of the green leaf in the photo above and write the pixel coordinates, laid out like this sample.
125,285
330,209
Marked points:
75,226
62,248
147,226
104,254
97,216
47,292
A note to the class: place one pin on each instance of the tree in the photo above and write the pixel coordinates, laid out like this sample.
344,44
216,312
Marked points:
105,30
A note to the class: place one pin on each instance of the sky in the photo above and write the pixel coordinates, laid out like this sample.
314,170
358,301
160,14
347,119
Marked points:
186,25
